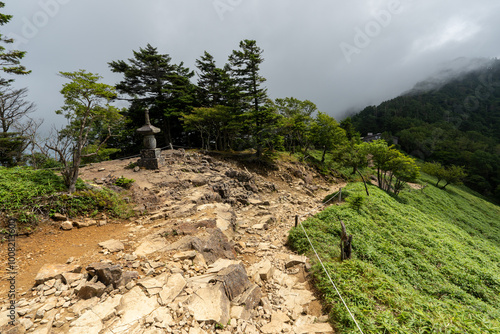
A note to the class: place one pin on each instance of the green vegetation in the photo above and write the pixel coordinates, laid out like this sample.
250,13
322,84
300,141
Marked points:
86,106
455,123
451,175
29,194
430,265
124,182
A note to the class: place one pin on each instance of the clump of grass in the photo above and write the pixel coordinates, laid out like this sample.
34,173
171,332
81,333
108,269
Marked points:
124,182
29,195
429,265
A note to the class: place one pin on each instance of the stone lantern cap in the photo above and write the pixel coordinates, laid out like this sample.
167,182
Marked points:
148,129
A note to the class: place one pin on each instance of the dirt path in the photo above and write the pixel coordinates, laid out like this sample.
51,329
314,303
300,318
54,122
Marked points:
254,206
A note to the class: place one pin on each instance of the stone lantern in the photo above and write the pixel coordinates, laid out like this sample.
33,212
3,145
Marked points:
150,156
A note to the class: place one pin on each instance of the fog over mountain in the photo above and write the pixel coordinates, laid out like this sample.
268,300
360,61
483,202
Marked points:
450,71
340,55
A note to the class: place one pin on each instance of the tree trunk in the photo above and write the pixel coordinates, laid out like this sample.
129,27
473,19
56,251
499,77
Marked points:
364,182
324,154
73,173
345,244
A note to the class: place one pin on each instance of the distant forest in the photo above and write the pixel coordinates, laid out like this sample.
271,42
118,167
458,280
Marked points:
454,123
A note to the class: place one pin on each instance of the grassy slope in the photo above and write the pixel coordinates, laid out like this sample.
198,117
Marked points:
28,194
428,263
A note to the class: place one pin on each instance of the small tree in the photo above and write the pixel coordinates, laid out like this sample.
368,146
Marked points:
296,122
451,175
394,168
86,105
326,133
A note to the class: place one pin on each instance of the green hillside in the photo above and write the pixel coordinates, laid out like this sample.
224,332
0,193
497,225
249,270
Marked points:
428,262
452,118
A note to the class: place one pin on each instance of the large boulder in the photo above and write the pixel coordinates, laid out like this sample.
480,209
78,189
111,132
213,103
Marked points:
89,290
107,273
210,304
234,279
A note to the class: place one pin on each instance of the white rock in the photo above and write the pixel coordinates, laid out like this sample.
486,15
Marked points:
107,309
112,245
174,286
88,323
133,306
209,304
152,285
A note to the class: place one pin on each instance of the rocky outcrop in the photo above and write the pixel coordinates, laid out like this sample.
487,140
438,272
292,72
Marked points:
210,259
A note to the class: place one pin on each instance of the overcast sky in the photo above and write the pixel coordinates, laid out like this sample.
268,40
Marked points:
341,55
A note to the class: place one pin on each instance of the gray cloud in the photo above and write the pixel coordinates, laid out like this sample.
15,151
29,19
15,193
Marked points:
393,43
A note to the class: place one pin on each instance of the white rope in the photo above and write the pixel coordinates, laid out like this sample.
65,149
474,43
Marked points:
319,259
338,292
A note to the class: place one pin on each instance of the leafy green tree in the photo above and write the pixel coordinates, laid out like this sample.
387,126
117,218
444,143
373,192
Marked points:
12,145
86,105
451,175
296,122
352,155
245,69
394,169
350,132
151,80
213,125
11,107
326,133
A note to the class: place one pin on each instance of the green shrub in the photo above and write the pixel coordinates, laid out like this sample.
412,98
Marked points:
124,182
27,194
356,202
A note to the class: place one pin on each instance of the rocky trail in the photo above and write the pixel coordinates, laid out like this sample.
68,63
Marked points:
205,254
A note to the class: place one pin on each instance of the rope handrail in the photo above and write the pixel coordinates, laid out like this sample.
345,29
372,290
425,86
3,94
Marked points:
321,262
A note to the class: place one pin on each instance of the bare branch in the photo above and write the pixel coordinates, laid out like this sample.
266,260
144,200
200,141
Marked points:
13,107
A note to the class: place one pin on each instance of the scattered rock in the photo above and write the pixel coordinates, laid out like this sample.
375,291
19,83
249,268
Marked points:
266,270
234,279
107,273
55,271
133,306
112,245
85,223
185,255
66,225
90,290
294,260
59,217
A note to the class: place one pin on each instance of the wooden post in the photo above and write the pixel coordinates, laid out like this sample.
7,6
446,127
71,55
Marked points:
340,195
345,244
296,220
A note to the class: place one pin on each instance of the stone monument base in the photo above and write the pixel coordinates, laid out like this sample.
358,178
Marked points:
151,159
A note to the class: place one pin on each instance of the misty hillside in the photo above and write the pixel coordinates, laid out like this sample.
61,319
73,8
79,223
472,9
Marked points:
451,118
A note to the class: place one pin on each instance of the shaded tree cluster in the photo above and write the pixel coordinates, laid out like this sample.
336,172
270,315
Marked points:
455,124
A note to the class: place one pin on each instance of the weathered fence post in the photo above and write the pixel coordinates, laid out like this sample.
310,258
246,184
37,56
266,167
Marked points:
345,244
296,220
340,195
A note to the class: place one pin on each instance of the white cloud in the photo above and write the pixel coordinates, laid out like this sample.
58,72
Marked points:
300,41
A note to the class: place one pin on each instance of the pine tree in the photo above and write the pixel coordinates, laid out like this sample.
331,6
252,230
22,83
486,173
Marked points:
151,80
10,61
245,67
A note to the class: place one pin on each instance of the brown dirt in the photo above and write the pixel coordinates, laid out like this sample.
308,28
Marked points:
52,245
